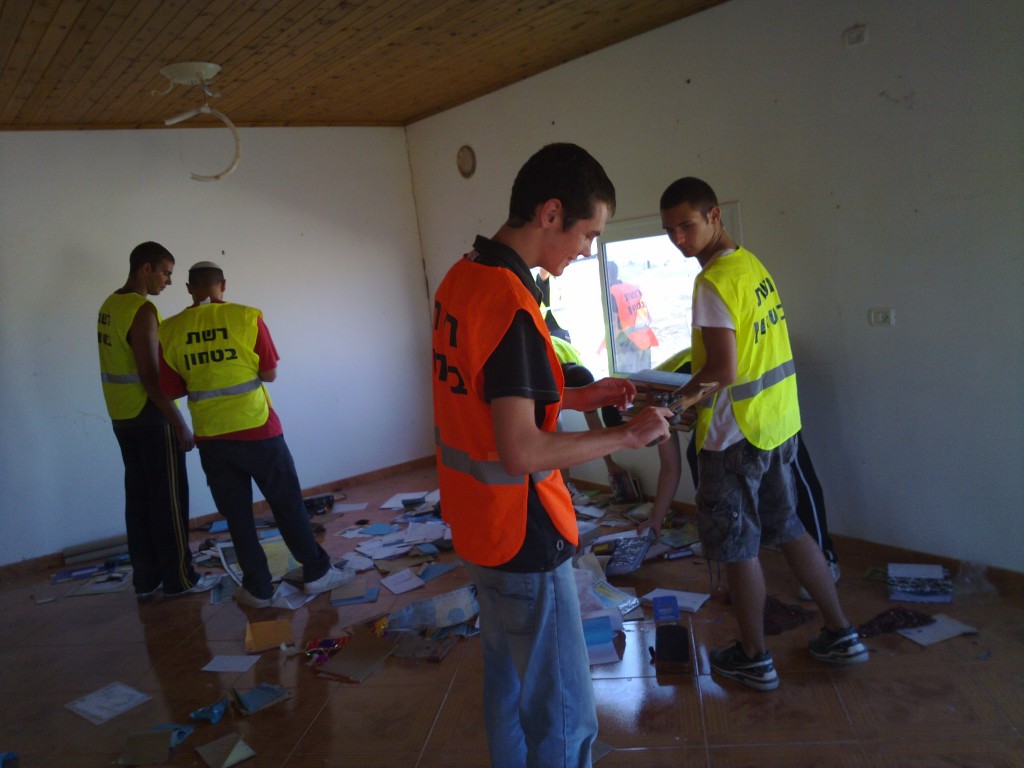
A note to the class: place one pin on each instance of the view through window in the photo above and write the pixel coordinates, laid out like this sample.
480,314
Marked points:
586,302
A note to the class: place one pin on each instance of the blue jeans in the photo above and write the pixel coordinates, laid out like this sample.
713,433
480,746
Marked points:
231,467
538,697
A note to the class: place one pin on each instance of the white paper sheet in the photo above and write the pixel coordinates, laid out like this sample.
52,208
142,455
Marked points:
944,628
107,702
403,581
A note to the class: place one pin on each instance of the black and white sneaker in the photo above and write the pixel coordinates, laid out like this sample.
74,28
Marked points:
843,647
758,672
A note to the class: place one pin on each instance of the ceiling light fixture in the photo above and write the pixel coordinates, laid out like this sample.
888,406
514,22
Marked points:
199,73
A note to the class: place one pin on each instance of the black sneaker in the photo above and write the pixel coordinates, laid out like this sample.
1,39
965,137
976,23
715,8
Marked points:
843,647
758,672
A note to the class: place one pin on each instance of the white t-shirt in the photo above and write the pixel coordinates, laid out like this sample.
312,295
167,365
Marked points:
710,311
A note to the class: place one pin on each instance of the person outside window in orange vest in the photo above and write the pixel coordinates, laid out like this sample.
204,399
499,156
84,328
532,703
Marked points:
631,324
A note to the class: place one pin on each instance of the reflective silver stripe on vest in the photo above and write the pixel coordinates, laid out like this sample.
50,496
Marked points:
237,389
768,379
120,378
486,472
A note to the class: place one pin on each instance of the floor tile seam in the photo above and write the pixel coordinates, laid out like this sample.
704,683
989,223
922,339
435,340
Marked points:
703,709
309,725
437,715
837,690
1016,725
785,743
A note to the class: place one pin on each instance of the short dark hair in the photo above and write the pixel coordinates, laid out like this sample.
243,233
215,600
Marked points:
205,276
564,172
692,191
148,253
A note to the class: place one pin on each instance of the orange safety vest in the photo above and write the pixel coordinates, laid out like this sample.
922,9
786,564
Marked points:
483,504
634,317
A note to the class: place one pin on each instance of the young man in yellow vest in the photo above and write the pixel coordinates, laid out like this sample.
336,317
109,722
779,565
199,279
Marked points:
150,430
220,354
746,437
498,388
810,498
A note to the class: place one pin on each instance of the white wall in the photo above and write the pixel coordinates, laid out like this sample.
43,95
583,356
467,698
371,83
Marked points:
883,175
316,226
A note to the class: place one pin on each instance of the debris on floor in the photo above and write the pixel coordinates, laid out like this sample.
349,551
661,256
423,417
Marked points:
780,617
894,619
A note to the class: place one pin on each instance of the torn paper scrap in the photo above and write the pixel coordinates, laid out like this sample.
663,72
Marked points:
445,610
226,751
107,702
599,635
260,697
211,712
403,581
944,628
400,500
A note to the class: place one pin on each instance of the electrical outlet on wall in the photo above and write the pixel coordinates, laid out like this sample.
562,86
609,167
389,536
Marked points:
882,316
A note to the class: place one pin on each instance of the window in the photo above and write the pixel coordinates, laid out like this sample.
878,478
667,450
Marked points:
652,289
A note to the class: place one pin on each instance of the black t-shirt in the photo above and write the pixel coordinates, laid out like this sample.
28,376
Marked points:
519,367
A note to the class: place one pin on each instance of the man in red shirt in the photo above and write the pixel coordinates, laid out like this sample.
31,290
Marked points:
220,354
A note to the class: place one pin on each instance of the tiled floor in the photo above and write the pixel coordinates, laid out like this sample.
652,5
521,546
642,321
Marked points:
957,703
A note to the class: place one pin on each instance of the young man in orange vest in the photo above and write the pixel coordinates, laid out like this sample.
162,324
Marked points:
149,428
498,388
220,354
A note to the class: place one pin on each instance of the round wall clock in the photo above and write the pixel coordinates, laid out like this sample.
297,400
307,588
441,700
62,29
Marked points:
466,161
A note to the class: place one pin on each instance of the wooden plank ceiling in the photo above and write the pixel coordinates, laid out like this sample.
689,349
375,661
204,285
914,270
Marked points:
94,64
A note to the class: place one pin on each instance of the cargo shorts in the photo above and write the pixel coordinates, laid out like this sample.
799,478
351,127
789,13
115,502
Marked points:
746,497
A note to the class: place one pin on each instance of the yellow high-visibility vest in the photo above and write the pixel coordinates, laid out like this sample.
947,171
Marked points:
566,352
122,388
212,348
764,395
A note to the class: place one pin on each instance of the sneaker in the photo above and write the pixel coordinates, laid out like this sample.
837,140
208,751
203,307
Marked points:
245,597
833,568
333,578
843,647
204,583
758,672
